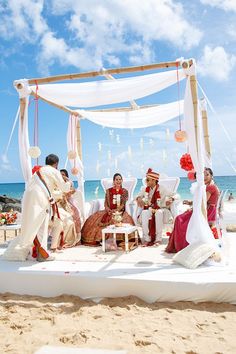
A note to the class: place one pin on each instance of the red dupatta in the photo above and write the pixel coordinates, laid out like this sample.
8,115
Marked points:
106,219
154,205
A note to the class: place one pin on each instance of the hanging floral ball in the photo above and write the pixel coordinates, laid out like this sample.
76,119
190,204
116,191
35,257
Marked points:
191,175
74,171
180,136
71,155
186,162
34,152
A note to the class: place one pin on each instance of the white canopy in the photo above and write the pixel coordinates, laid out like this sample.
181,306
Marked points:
97,93
137,118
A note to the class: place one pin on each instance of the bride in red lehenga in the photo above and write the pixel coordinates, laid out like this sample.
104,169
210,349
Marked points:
177,240
115,200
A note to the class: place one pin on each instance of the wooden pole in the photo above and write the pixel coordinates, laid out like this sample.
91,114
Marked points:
22,109
206,133
46,80
193,85
63,108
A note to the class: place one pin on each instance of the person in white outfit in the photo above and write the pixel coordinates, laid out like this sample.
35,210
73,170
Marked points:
37,209
154,204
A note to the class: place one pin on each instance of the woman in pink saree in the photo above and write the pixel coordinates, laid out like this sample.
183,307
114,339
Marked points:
177,240
115,200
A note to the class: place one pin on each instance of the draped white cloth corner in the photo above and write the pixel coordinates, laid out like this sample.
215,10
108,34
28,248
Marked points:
23,139
137,118
98,93
77,163
198,229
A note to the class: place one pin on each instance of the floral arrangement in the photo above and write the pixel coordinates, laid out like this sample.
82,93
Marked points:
8,218
186,162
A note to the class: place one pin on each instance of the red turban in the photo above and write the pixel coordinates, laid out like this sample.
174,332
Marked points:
151,174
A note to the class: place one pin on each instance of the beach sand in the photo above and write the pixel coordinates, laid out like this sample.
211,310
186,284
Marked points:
29,322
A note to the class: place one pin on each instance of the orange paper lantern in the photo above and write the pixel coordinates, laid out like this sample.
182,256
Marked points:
180,136
74,171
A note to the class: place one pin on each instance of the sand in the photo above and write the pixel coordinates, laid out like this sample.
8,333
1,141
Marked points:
29,322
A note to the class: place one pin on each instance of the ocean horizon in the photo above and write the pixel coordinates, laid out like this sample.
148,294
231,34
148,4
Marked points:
94,190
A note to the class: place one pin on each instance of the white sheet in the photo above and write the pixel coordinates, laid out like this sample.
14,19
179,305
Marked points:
97,93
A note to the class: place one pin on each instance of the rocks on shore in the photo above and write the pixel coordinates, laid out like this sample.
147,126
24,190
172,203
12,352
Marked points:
8,203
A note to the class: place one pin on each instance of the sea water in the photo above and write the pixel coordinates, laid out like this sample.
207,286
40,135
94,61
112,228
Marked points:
94,190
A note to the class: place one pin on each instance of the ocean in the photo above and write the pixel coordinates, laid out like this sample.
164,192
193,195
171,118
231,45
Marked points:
94,190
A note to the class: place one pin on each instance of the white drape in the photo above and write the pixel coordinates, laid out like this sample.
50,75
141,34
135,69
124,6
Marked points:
138,118
77,163
198,229
98,93
23,140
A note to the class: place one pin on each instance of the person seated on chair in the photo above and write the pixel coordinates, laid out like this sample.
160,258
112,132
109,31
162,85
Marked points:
177,240
115,200
154,203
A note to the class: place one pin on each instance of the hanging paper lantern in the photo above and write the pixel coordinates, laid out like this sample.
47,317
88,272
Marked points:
186,162
180,136
34,152
74,171
191,175
71,155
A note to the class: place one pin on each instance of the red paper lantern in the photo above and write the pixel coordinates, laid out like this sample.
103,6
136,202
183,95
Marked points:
186,162
180,136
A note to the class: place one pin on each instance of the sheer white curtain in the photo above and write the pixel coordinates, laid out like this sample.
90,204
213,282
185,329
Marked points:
137,118
198,229
76,163
102,92
23,140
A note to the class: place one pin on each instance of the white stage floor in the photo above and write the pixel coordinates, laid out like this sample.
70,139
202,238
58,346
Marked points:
148,273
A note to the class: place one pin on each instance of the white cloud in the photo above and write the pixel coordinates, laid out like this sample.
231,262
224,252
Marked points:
22,19
216,63
98,33
226,5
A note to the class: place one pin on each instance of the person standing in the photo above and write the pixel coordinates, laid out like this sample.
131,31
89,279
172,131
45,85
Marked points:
154,202
38,207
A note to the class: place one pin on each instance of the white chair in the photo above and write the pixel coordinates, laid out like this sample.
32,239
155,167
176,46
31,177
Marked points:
128,183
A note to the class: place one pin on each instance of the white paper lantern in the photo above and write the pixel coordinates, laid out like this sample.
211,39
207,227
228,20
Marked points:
34,152
71,155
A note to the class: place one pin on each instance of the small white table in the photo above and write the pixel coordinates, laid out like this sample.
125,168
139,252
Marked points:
5,228
125,229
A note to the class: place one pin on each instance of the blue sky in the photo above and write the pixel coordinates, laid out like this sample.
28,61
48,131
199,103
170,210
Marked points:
41,38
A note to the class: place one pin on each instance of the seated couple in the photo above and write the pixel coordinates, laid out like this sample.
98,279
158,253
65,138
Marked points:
177,240
154,203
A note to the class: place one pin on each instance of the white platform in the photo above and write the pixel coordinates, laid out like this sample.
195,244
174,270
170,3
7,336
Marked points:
144,272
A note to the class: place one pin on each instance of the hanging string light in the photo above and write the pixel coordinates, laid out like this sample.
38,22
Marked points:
167,133
141,143
117,138
99,146
180,135
97,166
34,151
151,142
109,155
129,151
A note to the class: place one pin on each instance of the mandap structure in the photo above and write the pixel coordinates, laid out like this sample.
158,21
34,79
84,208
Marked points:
78,99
